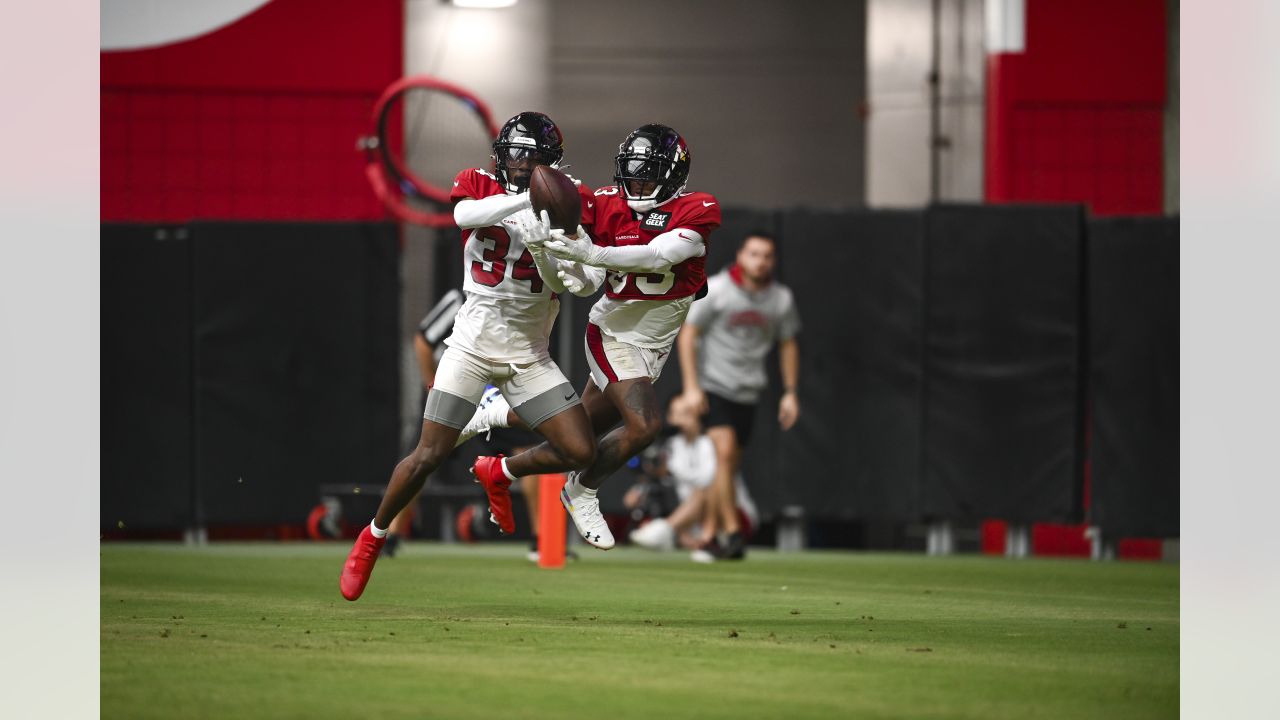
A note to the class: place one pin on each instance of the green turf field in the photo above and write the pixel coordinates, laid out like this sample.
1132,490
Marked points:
250,631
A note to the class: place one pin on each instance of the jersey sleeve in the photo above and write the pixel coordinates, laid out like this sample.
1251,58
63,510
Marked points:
468,185
702,215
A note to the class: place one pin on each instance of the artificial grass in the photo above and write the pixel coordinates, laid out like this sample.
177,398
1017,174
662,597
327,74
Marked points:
259,630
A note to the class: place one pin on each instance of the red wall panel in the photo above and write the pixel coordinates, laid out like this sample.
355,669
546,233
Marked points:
1077,116
257,120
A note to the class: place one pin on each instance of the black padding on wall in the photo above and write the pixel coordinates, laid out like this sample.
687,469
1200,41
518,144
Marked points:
296,363
146,377
1133,289
1002,363
855,450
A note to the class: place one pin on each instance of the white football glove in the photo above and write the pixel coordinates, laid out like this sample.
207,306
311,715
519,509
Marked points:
572,282
579,249
581,280
536,230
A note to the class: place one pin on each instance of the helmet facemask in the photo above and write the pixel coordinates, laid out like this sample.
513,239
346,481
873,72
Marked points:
526,141
651,167
515,162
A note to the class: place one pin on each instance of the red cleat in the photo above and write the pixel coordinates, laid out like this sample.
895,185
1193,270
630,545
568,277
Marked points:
355,574
488,472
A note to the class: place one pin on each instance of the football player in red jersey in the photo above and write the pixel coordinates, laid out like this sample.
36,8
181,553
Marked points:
650,236
500,336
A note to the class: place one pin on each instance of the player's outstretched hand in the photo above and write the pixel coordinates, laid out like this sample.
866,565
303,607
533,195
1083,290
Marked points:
579,279
570,248
572,283
537,230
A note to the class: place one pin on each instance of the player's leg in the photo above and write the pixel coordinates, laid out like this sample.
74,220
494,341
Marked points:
641,420
495,412
400,528
637,404
570,445
545,402
728,455
603,413
449,404
689,511
624,373
661,533
729,427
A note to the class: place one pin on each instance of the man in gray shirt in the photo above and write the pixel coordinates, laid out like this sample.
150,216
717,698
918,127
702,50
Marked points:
722,346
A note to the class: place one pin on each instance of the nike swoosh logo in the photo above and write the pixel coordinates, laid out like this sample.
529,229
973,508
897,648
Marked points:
569,396
686,237
591,205
455,183
707,204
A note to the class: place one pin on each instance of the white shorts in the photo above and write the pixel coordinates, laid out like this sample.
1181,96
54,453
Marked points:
536,390
611,360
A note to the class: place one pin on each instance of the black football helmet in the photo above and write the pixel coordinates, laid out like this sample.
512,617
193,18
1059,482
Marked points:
652,166
524,142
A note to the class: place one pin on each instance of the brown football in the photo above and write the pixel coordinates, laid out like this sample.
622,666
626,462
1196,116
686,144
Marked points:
553,191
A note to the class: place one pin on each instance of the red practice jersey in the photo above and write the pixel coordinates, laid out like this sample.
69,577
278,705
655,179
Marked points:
613,223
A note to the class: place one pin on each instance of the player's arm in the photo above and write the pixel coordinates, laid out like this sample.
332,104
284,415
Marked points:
789,364
472,213
669,248
687,346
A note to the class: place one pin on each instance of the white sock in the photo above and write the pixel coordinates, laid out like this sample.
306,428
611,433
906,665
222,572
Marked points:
373,528
580,490
505,471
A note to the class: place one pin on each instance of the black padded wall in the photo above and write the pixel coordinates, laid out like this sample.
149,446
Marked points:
296,364
146,378
1002,363
243,365
855,450
1133,290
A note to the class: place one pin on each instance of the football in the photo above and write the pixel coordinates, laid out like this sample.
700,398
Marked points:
553,191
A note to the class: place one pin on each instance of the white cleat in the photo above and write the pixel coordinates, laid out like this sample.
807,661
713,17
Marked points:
490,413
655,535
585,511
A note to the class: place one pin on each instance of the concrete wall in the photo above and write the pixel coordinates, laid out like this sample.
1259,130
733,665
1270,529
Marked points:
899,58
766,93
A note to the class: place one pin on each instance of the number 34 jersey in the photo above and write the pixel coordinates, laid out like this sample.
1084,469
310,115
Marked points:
509,311
647,309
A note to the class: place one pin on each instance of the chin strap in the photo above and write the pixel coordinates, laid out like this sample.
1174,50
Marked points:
642,206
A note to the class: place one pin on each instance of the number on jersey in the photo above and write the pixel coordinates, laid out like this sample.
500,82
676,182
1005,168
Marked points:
646,283
496,243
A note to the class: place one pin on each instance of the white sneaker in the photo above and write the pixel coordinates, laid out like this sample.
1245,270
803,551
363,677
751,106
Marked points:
585,511
490,413
702,556
655,535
